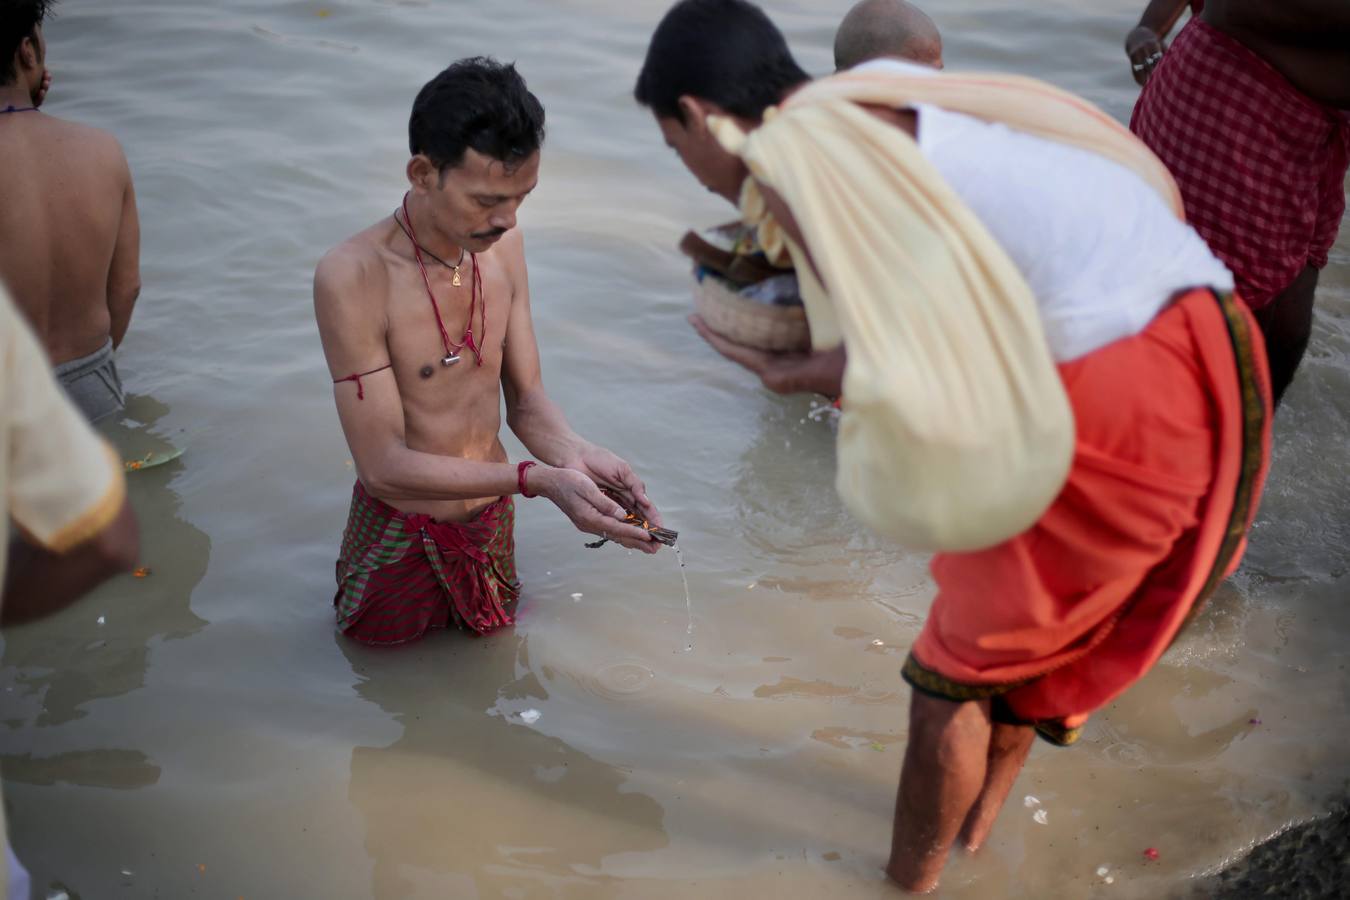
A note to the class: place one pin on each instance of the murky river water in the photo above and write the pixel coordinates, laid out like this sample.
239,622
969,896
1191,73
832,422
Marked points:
214,738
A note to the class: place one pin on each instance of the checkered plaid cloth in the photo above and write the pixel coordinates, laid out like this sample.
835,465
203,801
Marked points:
400,575
1261,166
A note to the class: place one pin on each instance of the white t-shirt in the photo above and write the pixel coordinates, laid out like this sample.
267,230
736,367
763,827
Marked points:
1101,250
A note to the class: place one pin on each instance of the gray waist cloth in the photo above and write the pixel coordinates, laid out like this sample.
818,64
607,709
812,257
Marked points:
93,383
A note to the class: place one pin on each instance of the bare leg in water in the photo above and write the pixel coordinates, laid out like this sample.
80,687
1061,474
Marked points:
1286,323
943,774
1008,749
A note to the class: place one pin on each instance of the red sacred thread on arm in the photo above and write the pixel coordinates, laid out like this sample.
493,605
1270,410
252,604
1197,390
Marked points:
357,376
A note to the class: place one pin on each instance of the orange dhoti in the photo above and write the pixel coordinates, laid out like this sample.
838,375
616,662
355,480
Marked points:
1173,440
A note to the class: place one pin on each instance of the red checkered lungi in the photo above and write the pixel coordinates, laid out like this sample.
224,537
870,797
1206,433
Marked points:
1260,165
400,574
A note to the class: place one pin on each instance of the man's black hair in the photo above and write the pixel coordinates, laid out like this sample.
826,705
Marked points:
723,51
19,19
476,103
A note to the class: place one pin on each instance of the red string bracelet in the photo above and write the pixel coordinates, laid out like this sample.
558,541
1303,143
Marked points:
520,478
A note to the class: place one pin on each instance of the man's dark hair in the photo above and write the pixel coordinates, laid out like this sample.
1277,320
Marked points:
19,19
723,51
476,103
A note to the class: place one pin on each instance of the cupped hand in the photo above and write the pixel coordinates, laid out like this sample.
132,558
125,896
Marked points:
820,372
608,470
577,495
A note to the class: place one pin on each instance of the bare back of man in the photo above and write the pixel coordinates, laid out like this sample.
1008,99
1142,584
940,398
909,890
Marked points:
69,235
68,220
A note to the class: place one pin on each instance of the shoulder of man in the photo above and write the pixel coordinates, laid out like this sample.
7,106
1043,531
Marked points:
100,146
509,254
351,280
355,261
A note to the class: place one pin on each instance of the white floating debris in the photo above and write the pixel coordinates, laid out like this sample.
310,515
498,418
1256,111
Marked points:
102,620
57,894
750,586
577,596
530,716
1040,817
1103,871
1029,801
1110,879
878,642
127,873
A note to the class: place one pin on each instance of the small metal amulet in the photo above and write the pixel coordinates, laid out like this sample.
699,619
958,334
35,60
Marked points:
454,279
450,360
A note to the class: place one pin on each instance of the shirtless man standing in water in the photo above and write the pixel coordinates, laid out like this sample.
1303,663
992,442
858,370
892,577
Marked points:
69,237
425,322
1250,110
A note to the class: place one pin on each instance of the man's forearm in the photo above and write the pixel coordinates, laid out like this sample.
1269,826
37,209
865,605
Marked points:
39,582
1161,16
405,474
543,429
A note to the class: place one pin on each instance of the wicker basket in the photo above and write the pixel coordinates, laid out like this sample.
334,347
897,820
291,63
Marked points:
745,321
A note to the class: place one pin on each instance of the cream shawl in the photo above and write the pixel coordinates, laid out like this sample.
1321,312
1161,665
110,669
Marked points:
956,432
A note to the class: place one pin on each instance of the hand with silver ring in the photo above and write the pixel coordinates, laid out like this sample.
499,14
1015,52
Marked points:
1145,49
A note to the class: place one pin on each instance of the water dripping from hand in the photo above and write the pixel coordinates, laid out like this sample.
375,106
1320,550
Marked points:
688,602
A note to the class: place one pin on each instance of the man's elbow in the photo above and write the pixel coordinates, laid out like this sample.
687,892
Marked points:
120,305
379,478
128,294
523,405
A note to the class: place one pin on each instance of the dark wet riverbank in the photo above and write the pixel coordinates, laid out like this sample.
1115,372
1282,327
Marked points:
1310,861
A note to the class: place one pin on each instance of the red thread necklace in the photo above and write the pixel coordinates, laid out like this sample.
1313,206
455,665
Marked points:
475,294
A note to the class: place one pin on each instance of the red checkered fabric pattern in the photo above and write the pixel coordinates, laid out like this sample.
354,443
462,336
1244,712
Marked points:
1261,166
401,575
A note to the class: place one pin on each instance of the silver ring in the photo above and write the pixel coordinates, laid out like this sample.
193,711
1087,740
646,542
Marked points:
1150,62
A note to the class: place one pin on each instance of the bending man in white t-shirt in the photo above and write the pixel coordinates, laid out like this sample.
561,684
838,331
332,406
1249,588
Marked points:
1164,372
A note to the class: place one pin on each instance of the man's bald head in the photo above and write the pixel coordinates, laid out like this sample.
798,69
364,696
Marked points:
877,28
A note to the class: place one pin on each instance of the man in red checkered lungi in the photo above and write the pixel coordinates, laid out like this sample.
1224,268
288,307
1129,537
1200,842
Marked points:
1250,109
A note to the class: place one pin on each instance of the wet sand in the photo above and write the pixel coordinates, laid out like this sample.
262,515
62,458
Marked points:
1308,861
214,737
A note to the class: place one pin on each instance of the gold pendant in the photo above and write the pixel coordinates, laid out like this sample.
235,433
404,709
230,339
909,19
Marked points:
455,279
